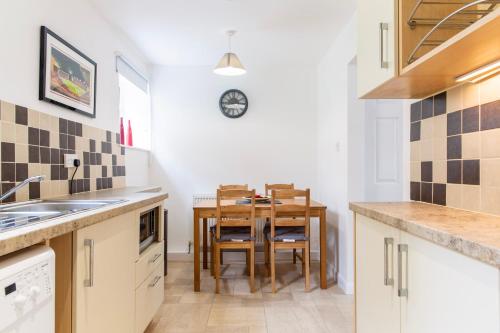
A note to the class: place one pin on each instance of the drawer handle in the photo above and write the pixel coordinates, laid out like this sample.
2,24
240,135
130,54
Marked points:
402,290
90,281
388,281
156,257
383,27
155,282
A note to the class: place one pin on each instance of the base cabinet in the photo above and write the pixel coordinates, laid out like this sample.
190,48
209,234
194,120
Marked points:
434,289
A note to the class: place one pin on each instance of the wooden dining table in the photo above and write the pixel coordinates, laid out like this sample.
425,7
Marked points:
206,209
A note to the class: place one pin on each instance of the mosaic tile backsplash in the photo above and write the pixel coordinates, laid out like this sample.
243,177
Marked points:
455,148
34,143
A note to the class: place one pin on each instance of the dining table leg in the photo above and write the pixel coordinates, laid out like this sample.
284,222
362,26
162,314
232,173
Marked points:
205,242
322,242
196,249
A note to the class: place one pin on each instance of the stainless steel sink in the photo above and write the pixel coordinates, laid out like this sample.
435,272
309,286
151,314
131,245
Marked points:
16,215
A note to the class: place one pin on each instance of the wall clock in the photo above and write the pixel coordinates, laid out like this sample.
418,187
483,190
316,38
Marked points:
233,103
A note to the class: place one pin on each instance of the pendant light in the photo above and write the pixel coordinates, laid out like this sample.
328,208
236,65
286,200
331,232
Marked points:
230,65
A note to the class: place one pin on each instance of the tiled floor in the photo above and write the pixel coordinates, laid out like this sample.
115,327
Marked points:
290,310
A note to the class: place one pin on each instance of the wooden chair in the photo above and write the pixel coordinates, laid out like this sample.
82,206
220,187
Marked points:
268,189
235,229
233,187
289,229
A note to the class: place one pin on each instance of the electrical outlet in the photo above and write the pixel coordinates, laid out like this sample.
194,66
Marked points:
69,160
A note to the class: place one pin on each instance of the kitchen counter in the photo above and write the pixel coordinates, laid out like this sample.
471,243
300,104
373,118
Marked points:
136,197
476,235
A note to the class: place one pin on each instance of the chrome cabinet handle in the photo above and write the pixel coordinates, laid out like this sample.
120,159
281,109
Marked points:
402,290
156,257
388,281
90,281
383,27
155,282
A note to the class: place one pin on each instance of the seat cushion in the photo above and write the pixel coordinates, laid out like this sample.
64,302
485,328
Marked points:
234,234
285,234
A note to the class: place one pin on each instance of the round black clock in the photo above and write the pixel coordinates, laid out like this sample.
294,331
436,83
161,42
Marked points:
233,103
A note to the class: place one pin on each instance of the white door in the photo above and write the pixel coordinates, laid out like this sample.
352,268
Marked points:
376,43
377,303
447,291
384,150
107,259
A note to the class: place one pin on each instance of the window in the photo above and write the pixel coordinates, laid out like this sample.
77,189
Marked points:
135,104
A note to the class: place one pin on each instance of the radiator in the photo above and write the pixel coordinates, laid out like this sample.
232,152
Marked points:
259,223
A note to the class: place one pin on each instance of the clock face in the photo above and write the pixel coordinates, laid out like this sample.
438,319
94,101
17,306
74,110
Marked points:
233,103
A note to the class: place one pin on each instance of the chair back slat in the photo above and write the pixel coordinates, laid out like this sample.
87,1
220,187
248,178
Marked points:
294,211
231,214
233,187
270,187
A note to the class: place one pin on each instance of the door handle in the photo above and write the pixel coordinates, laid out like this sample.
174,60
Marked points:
383,27
388,281
402,287
90,281
155,282
156,257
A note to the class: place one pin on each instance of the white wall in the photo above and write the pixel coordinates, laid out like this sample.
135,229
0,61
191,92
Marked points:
78,23
196,148
137,163
333,153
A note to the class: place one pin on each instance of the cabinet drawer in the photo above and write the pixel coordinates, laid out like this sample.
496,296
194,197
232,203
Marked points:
148,298
148,261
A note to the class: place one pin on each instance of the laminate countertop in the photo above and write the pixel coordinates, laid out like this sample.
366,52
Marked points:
476,235
135,198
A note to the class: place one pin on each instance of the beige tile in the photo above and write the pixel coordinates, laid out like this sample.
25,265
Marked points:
426,149
45,121
454,99
439,128
45,190
8,132
21,153
439,148
54,139
21,134
439,171
471,197
489,89
415,151
490,143
454,195
415,172
490,197
34,169
8,112
470,95
490,172
427,126
33,118
22,194
54,124
471,145
45,171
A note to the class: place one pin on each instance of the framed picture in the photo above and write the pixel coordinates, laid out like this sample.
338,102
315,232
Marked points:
67,76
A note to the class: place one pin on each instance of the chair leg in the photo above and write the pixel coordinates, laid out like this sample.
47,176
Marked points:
273,267
306,261
221,257
248,261
252,267
294,256
266,256
217,268
303,262
212,251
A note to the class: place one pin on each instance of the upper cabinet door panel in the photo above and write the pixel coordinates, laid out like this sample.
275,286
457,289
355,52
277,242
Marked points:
376,58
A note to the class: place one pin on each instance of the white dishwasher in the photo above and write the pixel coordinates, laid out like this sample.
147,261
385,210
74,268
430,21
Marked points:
27,291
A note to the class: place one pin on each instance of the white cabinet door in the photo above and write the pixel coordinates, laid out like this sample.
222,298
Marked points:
108,304
377,303
447,291
376,59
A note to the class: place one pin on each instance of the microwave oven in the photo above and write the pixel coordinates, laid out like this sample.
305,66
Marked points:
148,228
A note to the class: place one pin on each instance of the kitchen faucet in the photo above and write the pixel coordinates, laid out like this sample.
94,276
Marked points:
24,183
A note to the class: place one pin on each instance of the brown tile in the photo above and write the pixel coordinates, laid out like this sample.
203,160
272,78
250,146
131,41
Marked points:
33,136
6,187
63,173
54,172
415,131
21,171
55,156
21,115
92,145
470,120
71,142
8,172
439,194
471,145
440,104
44,138
454,147
427,108
104,171
454,123
33,154
426,192
34,190
108,136
490,115
454,195
71,127
471,172
78,129
45,155
415,191
86,171
8,152
454,172
63,126
63,141
426,171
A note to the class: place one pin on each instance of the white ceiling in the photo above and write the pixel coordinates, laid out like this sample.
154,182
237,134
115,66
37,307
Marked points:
192,32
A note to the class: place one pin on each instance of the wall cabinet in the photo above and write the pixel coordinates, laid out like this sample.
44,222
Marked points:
433,289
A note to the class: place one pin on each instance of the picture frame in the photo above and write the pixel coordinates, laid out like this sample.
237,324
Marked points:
68,78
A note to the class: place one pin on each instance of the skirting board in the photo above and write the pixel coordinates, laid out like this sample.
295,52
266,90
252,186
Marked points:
239,257
346,286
